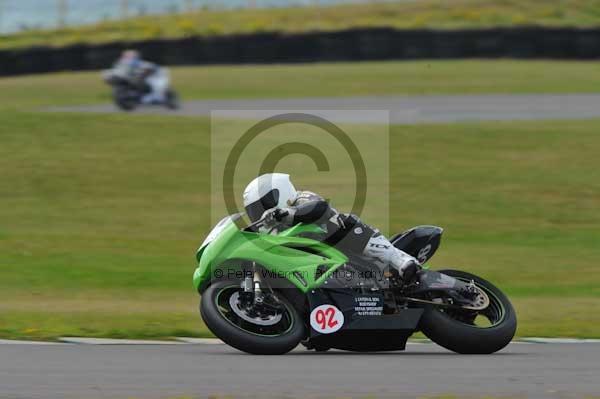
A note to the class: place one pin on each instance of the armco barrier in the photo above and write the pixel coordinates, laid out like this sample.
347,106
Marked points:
347,45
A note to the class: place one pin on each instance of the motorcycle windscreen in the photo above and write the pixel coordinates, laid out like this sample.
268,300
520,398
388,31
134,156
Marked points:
218,229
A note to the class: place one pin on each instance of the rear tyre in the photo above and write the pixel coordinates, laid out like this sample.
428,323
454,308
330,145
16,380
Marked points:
272,335
458,332
172,101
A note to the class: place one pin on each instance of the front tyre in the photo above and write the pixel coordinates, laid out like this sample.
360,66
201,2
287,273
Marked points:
460,332
246,329
126,99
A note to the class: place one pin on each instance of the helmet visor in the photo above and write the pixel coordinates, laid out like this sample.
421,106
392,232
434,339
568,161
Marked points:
256,209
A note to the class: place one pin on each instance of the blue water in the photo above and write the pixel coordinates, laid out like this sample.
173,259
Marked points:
16,15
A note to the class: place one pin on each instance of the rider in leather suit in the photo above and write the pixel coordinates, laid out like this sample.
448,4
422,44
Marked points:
274,198
133,67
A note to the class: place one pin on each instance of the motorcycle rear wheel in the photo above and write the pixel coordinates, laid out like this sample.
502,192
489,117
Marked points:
172,100
264,336
457,330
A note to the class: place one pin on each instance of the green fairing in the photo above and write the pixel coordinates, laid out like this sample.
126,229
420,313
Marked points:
273,252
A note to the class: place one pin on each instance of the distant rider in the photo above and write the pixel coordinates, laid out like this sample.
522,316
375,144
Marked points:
132,67
274,198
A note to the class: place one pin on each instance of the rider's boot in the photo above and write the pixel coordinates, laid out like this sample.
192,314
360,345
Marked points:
384,253
410,271
148,99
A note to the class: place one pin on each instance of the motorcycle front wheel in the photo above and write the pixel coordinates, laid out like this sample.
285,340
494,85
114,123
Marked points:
469,332
126,100
244,328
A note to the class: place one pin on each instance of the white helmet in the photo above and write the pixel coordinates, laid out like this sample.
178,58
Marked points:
273,190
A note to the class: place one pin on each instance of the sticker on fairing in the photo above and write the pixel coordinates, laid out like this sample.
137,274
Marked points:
368,305
326,319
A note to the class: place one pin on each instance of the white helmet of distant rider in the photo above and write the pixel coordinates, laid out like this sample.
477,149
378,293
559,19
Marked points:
130,55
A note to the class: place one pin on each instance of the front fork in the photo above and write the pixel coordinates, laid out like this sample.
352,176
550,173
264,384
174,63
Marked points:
257,293
252,286
249,285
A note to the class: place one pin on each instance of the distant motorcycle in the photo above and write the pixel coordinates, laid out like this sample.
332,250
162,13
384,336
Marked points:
128,93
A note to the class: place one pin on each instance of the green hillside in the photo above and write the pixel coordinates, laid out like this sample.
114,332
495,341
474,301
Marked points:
450,14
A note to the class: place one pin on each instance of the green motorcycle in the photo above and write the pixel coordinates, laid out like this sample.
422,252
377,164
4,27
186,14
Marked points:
266,293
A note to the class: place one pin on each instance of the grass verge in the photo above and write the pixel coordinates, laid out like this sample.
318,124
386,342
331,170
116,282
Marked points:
322,80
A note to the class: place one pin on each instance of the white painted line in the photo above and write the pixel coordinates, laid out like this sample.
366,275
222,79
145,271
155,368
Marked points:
20,342
561,340
108,341
419,341
201,341
214,341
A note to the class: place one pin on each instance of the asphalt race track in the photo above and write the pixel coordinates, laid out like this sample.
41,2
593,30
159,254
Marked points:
403,109
168,371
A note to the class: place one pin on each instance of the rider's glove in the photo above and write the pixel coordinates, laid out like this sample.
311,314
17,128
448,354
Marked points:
272,217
